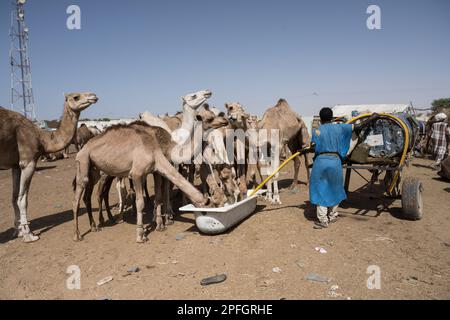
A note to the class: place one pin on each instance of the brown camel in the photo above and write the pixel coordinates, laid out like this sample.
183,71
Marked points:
133,151
21,145
292,132
83,136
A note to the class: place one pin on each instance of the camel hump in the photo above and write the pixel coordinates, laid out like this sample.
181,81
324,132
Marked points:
282,101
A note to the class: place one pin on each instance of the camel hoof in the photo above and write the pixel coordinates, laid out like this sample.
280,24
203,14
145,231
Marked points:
141,239
170,222
160,229
30,237
77,238
95,229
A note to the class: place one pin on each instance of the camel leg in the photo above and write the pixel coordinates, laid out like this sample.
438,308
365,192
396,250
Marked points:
133,195
138,183
76,207
158,202
15,196
120,187
308,169
168,205
81,181
185,172
100,197
22,201
296,170
107,187
164,167
242,181
276,195
269,194
87,202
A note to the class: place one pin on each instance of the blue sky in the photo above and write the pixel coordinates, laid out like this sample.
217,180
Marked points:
143,55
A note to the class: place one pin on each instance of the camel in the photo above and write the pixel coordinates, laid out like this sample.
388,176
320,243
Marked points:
84,134
132,151
215,156
292,132
21,145
239,120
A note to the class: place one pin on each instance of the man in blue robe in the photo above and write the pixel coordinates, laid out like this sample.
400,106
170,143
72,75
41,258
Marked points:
326,187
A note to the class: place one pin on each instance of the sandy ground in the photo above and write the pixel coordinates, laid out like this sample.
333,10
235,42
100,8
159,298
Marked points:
413,256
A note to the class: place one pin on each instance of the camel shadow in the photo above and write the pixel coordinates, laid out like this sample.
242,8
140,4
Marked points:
447,190
309,211
43,224
418,165
38,169
286,183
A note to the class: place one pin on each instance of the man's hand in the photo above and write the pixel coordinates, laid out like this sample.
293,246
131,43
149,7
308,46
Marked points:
309,149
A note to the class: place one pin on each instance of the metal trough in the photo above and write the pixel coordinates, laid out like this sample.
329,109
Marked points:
218,220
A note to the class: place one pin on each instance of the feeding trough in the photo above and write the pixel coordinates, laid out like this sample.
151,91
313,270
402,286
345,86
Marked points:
218,220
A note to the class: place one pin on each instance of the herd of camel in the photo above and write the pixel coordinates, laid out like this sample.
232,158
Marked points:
162,146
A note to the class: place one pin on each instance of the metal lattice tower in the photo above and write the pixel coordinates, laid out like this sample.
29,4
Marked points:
22,98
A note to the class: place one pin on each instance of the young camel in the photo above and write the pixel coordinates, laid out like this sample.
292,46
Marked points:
132,151
21,145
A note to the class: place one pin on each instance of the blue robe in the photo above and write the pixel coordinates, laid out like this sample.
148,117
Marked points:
326,187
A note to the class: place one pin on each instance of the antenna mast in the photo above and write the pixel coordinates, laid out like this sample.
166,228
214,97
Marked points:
21,89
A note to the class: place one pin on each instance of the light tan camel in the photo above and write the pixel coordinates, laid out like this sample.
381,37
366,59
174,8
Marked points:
292,132
215,158
21,145
132,151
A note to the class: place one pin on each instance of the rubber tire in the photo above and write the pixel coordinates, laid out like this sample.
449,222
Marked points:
412,202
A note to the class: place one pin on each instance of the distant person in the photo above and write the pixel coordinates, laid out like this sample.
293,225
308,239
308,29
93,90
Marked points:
439,139
331,143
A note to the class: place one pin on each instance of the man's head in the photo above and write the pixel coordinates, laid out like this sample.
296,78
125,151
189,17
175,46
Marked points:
326,115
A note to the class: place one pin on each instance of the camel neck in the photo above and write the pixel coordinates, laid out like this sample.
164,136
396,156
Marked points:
57,140
188,119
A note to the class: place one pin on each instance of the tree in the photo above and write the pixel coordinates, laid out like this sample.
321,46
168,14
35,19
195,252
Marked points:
441,104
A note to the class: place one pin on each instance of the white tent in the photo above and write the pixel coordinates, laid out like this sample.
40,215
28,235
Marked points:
346,110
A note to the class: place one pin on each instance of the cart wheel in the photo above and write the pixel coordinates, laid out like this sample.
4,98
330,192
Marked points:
412,203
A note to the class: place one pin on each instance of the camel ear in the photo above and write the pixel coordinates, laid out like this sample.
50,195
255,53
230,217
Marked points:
206,106
227,106
183,99
221,114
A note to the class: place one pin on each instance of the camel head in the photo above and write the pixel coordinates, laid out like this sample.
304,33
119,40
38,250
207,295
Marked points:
236,114
79,101
195,100
210,120
252,122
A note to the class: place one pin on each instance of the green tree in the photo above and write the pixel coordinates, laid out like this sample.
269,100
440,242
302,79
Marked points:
441,103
